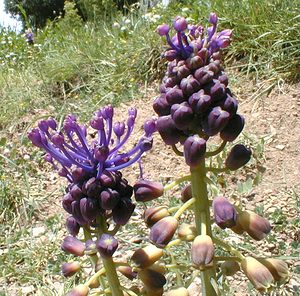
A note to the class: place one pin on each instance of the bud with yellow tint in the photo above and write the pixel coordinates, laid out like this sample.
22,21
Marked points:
203,251
258,274
147,256
178,292
256,226
153,215
80,290
187,232
278,268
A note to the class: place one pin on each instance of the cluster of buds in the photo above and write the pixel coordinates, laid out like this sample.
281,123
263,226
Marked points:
195,102
97,193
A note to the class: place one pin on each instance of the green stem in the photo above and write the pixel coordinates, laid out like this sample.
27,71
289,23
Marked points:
177,182
217,151
228,248
203,224
184,207
110,268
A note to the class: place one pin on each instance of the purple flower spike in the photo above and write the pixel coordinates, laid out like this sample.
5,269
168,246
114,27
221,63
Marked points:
224,212
106,245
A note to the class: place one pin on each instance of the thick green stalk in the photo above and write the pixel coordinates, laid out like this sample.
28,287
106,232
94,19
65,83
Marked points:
202,217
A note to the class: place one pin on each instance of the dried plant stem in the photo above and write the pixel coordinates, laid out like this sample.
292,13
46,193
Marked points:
203,222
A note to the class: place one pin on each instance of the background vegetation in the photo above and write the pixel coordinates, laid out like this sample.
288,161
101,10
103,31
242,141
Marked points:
82,60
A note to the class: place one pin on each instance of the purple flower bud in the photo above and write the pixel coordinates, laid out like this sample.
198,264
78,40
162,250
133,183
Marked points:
80,290
145,144
278,268
107,179
124,189
224,212
90,247
145,190
43,125
132,111
101,153
204,76
123,211
106,245
161,105
180,24
76,212
109,198
217,91
256,226
213,18
35,137
76,192
119,128
72,226
233,128
194,62
89,208
58,140
70,268
194,150
170,55
237,157
150,127
127,272
67,202
203,251
107,111
63,172
168,131
97,123
52,123
229,104
215,121
48,158
147,256
73,246
182,115
186,193
163,30
189,85
70,123
174,96
162,231
200,102
223,79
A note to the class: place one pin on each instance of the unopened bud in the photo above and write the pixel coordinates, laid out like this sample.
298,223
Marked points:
80,290
106,245
153,215
229,268
73,246
146,256
127,272
186,193
178,292
278,268
152,279
194,150
233,128
72,226
257,273
187,232
70,268
162,232
256,226
224,212
145,190
237,157
203,251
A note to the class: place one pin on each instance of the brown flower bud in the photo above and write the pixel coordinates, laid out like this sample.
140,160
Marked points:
178,292
257,273
203,251
80,290
128,272
229,268
186,193
94,283
147,256
152,279
187,232
256,226
278,268
146,190
153,215
70,268
162,232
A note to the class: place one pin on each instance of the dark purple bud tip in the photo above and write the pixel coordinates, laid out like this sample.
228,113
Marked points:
109,198
72,226
213,18
174,96
233,128
182,114
215,121
106,245
89,208
97,123
203,251
80,290
180,24
237,157
161,106
152,279
119,128
35,137
150,127
162,232
73,246
70,268
256,226
101,153
224,212
145,190
163,29
194,149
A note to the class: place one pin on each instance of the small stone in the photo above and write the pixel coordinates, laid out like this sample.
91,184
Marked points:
280,147
27,290
37,231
